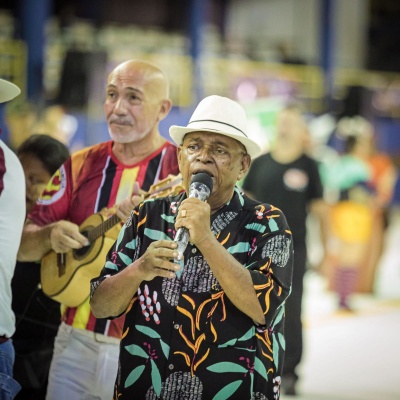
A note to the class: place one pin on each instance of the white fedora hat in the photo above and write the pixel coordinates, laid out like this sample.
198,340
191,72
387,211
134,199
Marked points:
8,90
221,115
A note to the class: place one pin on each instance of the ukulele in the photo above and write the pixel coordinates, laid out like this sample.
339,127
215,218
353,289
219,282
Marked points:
65,277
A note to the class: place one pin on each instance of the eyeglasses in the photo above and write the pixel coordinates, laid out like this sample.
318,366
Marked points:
215,150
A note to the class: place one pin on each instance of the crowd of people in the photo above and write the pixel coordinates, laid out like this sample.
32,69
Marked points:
224,318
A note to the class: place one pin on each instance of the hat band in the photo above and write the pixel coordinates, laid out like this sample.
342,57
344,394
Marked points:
218,122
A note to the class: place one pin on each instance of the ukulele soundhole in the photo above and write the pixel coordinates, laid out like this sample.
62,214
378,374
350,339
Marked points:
81,253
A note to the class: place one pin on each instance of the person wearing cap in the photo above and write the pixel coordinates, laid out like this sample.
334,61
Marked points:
12,216
85,358
210,324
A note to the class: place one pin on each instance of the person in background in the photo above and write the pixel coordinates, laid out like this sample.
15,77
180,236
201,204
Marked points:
289,178
12,216
209,325
37,316
359,185
382,184
105,175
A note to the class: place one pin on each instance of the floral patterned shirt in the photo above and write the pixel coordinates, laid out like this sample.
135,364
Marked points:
183,338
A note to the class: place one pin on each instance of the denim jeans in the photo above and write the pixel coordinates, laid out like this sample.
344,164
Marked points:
9,387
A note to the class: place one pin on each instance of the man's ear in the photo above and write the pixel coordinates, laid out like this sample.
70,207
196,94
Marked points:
179,154
165,108
245,165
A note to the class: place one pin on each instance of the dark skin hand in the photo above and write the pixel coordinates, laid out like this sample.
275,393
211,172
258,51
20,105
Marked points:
114,294
226,162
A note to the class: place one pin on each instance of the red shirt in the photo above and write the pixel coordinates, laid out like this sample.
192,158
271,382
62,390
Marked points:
88,181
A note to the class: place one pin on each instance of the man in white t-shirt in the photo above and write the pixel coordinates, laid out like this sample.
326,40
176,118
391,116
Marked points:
12,216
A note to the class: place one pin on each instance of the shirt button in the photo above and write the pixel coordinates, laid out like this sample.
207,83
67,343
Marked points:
171,366
194,250
176,326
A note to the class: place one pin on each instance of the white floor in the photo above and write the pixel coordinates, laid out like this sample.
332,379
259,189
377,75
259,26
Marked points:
354,356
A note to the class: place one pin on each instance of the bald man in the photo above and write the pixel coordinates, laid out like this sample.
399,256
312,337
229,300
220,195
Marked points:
85,359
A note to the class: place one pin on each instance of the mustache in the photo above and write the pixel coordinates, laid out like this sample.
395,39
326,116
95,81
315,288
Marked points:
121,121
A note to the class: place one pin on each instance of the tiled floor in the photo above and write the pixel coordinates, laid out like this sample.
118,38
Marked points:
354,356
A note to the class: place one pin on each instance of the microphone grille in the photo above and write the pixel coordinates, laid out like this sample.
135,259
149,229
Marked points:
204,178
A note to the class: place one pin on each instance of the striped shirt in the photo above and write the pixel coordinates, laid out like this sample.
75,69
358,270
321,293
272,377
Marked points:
90,180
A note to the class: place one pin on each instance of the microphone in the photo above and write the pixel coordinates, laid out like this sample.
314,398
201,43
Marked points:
200,188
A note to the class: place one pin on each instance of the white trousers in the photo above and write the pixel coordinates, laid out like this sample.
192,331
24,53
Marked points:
83,367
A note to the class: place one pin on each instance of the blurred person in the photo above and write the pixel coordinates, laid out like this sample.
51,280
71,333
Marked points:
109,176
12,216
289,178
383,181
37,316
210,325
359,192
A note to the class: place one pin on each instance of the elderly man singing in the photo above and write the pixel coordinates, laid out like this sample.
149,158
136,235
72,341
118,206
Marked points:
203,320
